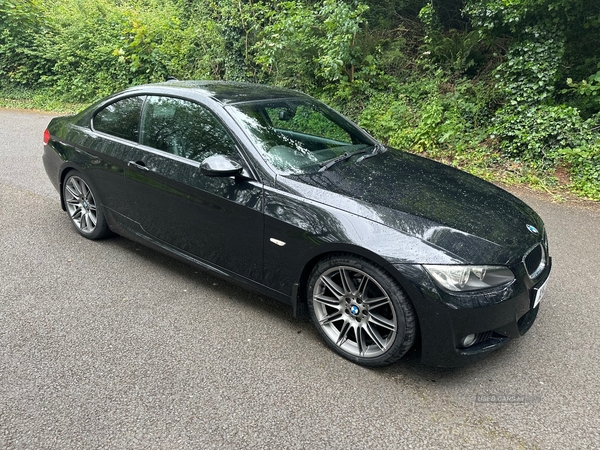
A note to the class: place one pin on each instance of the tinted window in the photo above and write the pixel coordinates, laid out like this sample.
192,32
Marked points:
185,129
121,119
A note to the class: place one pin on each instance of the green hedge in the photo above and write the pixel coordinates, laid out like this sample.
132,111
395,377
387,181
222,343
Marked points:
474,83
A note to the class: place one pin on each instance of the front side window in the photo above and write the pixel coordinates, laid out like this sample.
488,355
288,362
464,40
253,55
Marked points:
120,119
185,129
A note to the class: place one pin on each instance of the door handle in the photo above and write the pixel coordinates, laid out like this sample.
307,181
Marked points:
138,165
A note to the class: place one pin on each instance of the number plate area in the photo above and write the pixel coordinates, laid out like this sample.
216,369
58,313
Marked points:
539,293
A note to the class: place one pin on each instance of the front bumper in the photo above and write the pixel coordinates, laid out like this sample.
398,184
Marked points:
494,318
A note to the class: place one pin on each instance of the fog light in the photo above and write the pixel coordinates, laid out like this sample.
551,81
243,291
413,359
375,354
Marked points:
468,340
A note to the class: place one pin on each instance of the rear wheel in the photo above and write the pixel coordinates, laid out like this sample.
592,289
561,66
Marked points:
82,206
361,311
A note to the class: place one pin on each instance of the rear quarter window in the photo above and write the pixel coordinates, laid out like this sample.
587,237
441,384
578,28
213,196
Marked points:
120,119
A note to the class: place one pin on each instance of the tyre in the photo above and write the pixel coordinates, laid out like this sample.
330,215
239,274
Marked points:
83,207
360,311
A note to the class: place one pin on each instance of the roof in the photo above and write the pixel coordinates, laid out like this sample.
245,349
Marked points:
228,92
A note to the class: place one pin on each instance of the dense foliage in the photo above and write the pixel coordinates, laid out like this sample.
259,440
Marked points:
473,82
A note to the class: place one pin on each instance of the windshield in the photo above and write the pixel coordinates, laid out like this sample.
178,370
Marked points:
298,136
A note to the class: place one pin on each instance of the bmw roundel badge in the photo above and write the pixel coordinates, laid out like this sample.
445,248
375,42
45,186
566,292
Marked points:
532,229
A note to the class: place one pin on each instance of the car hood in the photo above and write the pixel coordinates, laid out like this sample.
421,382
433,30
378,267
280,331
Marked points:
469,217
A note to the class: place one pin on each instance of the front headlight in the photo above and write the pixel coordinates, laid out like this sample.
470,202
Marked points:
469,278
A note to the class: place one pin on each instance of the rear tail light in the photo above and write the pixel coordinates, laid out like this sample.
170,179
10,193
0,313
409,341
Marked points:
46,137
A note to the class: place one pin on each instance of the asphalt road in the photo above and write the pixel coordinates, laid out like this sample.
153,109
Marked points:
111,345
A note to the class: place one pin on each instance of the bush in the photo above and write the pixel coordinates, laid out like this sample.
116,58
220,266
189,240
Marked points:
537,133
98,47
431,115
23,28
470,82
584,165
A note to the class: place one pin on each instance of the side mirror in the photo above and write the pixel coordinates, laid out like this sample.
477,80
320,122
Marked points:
220,166
286,114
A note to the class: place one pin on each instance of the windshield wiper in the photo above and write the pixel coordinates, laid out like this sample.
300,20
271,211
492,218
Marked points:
344,156
377,149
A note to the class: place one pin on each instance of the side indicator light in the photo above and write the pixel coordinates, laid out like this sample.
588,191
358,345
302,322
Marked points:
277,242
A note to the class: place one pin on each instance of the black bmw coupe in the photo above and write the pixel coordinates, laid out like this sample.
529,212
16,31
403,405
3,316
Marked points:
273,190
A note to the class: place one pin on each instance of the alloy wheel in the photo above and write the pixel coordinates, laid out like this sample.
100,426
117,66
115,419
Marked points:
355,312
81,204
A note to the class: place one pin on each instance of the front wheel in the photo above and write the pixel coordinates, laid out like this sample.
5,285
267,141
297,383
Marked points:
82,206
361,311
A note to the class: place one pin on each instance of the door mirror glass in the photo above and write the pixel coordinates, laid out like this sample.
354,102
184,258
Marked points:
220,166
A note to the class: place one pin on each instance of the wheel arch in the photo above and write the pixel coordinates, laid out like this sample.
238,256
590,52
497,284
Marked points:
64,171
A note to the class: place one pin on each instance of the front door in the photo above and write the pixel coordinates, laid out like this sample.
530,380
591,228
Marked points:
217,219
